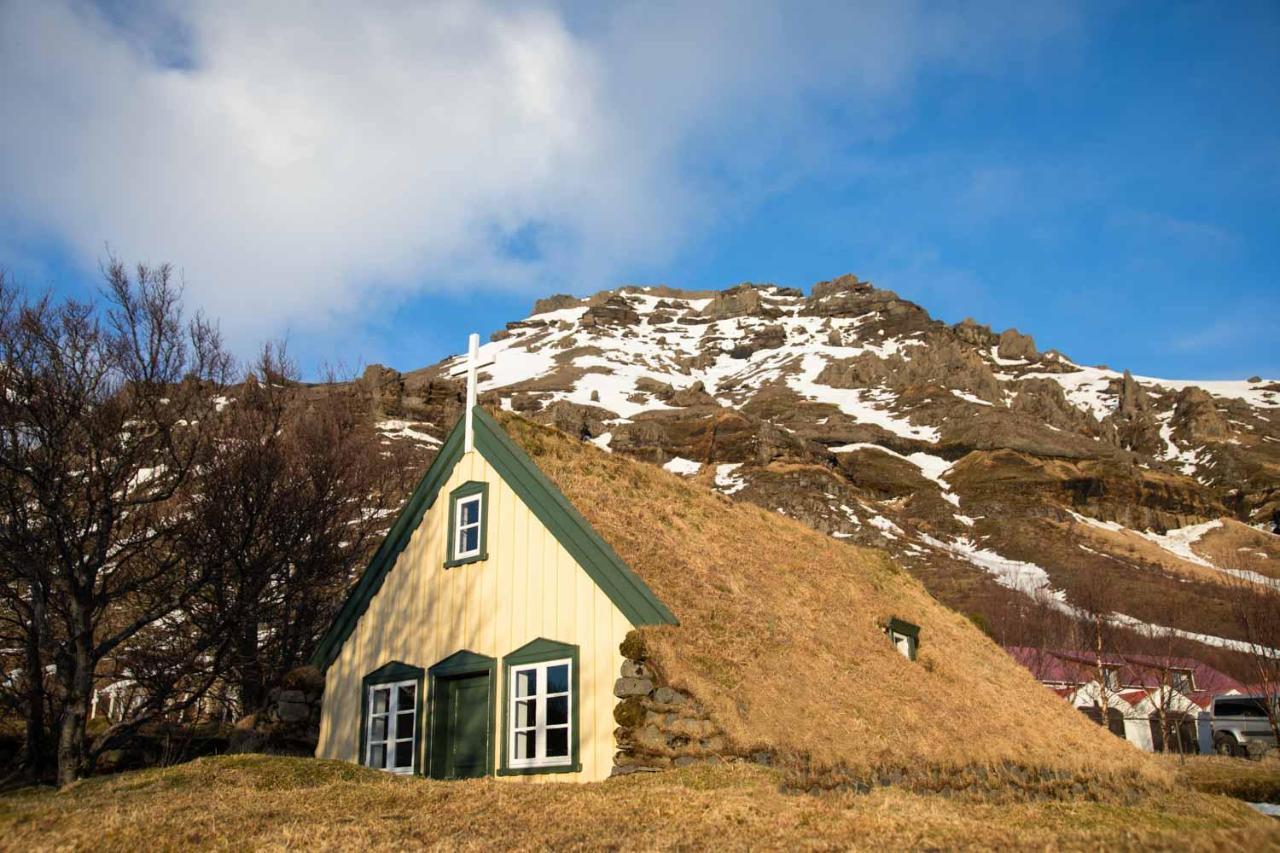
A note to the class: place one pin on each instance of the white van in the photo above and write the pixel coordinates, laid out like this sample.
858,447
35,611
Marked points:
1240,726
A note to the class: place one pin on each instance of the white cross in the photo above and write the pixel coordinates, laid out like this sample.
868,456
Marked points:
469,367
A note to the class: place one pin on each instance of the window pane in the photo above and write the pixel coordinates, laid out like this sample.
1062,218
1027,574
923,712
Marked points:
558,678
526,682
381,697
557,742
526,713
378,728
470,540
404,725
470,512
404,754
378,756
524,744
404,697
557,710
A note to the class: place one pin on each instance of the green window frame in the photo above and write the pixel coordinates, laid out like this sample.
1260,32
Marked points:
469,492
909,633
537,655
389,675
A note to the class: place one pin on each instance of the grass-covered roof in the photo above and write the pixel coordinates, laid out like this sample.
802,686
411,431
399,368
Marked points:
781,633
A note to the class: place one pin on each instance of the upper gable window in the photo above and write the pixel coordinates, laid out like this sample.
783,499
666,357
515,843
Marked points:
468,521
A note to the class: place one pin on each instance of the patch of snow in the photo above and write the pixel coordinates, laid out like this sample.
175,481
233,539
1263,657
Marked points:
401,429
858,403
931,467
969,398
1178,542
1027,578
602,441
1164,631
683,467
727,481
885,526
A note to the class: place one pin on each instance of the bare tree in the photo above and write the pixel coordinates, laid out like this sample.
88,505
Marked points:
283,514
1166,677
104,417
1255,606
1095,602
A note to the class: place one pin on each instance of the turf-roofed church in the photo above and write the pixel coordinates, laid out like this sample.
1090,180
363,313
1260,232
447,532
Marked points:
483,638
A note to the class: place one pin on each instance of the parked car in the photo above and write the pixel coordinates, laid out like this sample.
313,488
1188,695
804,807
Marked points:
1240,726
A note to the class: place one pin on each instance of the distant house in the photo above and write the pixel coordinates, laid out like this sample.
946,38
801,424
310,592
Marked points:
1138,690
493,646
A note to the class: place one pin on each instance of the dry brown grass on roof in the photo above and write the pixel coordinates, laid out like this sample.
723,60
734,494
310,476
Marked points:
781,634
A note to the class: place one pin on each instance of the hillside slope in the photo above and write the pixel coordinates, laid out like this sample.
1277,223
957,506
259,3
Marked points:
1013,482
781,635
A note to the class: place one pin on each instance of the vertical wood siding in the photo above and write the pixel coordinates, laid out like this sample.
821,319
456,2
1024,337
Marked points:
529,587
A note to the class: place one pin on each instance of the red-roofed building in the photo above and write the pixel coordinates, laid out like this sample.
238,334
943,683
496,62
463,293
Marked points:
1154,702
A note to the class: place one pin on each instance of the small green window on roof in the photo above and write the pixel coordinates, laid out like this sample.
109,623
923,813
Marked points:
904,636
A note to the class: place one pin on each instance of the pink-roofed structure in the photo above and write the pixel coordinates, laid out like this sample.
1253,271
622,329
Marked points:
1154,702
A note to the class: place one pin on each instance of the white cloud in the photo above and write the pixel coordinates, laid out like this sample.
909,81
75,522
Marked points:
304,162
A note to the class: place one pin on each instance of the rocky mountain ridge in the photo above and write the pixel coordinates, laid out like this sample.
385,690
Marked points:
997,473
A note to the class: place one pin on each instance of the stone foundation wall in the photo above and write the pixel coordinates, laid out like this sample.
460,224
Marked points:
290,724
659,727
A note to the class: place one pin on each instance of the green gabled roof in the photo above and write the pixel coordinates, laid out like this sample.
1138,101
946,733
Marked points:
624,588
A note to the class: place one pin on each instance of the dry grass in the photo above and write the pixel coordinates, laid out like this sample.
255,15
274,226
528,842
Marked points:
1255,781
1128,548
1239,546
780,635
256,802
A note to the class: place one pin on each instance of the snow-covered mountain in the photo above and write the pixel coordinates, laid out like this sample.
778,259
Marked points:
997,473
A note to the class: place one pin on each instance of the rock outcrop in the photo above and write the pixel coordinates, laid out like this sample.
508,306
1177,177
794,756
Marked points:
960,450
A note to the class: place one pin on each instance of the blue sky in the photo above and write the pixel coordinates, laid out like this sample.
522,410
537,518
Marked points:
375,184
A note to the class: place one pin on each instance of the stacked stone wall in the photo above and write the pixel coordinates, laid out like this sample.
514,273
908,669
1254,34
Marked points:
659,727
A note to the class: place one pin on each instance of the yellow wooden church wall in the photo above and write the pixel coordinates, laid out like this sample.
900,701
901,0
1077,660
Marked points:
529,587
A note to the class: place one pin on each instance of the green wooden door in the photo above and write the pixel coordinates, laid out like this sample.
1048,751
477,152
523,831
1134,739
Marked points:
464,724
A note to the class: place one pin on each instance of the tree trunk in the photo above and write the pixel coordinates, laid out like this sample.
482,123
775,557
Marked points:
252,694
34,758
76,671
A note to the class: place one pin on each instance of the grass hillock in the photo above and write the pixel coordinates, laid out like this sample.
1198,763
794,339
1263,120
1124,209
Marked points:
781,638
261,802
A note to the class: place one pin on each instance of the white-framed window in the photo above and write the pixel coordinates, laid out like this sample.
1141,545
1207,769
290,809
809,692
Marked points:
1183,681
391,734
541,714
467,512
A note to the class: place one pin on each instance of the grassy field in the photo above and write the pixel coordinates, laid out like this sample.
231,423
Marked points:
259,802
1255,781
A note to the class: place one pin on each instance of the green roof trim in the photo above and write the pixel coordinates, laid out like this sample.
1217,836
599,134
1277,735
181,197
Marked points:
901,626
624,588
